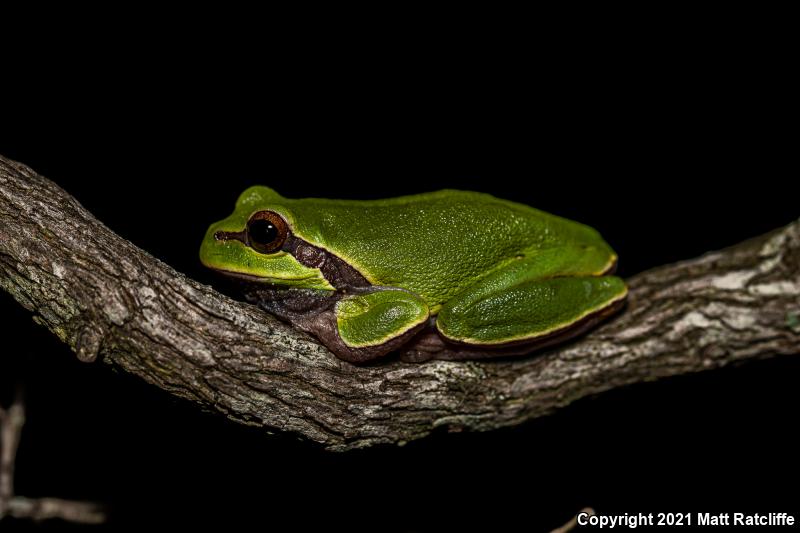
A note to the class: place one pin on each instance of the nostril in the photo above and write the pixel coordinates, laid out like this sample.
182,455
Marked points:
220,236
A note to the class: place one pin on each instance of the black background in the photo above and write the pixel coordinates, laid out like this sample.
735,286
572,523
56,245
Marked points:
670,148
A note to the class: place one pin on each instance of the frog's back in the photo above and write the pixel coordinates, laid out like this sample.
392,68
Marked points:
434,244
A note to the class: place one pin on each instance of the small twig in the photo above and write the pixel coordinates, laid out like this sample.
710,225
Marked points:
46,508
569,526
11,422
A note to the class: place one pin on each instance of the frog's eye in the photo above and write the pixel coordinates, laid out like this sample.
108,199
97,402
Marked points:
266,231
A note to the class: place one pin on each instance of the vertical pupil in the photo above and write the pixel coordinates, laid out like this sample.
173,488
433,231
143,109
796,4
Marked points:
262,231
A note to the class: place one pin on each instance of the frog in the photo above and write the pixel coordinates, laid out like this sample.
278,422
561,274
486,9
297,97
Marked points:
449,275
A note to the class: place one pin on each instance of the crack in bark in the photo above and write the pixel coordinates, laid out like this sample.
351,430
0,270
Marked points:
106,298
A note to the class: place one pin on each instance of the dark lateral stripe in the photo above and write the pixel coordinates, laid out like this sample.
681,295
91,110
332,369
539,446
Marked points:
240,236
335,269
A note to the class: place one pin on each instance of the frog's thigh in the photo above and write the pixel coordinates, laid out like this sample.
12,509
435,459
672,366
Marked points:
517,304
376,318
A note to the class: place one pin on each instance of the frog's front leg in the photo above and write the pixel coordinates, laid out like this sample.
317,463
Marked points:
532,302
369,324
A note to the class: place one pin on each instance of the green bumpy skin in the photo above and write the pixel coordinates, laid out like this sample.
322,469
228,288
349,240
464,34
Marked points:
374,318
489,271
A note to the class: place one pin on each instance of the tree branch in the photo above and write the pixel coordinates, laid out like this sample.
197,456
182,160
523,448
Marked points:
103,296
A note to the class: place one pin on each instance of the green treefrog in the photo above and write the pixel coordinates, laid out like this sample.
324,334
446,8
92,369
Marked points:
443,275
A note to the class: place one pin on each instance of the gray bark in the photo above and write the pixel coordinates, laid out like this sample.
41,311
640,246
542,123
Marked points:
106,298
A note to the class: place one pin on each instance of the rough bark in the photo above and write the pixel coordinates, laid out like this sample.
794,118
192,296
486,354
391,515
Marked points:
104,297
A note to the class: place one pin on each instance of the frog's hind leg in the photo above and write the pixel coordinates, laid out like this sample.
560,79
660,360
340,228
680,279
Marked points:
530,303
528,316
